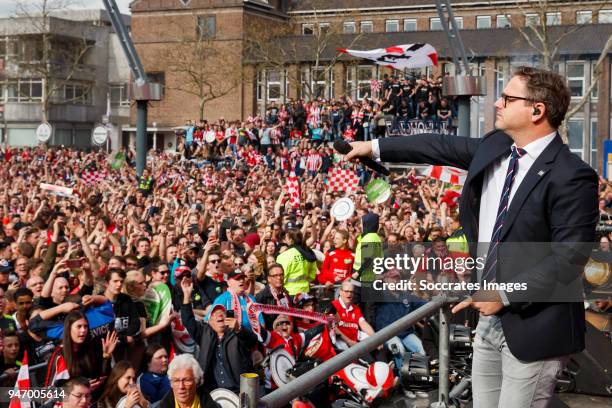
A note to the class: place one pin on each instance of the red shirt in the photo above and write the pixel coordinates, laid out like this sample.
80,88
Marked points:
337,266
349,319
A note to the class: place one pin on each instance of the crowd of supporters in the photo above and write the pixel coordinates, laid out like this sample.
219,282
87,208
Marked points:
103,285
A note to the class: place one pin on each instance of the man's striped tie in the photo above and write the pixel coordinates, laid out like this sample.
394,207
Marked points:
491,262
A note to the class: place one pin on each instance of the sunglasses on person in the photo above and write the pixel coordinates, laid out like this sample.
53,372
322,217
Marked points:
217,260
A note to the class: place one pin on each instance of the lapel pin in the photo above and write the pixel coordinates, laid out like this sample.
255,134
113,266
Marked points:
541,173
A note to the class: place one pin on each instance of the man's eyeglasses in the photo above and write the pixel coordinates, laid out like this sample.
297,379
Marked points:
285,323
348,291
239,264
507,97
276,275
214,260
82,396
164,272
184,381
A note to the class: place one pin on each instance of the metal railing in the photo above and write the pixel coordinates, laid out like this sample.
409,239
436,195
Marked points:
319,374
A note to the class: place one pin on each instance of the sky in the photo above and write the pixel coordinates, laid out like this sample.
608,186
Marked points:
7,7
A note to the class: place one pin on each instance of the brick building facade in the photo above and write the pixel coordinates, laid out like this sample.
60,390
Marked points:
489,30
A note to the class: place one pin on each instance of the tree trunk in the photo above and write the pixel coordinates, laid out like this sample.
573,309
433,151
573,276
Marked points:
201,105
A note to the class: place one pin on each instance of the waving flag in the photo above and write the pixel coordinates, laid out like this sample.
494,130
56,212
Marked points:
342,180
293,190
447,174
22,384
399,56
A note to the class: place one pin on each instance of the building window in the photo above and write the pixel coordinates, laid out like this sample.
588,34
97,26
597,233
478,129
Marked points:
349,27
434,24
317,82
24,90
308,29
594,93
364,76
77,94
206,27
593,142
392,26
584,17
119,95
273,83
532,20
575,78
483,22
575,132
323,28
410,24
367,27
605,17
503,21
553,19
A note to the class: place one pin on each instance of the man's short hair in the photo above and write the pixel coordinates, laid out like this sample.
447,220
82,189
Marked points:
74,382
23,292
109,274
548,88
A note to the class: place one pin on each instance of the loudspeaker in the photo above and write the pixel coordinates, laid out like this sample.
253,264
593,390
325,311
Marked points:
589,372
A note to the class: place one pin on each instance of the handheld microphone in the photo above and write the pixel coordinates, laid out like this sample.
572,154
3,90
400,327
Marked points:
343,147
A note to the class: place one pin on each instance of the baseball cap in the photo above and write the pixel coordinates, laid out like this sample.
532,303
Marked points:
5,266
280,319
235,274
301,299
180,271
215,307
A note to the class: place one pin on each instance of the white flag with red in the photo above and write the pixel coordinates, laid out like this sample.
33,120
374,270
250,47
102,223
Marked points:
293,190
405,56
22,384
91,177
447,174
342,180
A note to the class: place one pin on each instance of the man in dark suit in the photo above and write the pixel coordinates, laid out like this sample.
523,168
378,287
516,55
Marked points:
536,204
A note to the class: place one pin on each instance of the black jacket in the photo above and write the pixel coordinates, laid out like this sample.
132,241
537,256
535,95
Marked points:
555,203
206,400
265,297
237,347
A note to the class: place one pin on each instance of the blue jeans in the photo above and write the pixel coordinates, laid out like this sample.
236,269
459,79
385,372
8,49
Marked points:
412,344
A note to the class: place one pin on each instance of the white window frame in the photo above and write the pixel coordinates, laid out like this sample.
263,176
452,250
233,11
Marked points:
323,26
350,25
532,19
307,26
124,99
593,149
392,21
506,18
435,20
23,98
366,23
270,83
581,14
363,85
483,18
608,16
580,151
410,21
553,18
459,21
582,79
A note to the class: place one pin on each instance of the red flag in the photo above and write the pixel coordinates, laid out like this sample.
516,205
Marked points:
447,174
91,177
22,384
343,180
293,190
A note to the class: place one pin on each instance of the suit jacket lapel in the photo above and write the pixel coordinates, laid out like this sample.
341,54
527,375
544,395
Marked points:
536,173
495,146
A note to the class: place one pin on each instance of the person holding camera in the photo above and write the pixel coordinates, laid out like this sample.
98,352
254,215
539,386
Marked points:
224,343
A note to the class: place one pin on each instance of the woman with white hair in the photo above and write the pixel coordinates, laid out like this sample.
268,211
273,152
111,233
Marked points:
186,380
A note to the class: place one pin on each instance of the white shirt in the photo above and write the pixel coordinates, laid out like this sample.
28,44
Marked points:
494,182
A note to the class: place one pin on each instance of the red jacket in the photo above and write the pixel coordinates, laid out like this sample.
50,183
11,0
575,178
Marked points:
337,266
